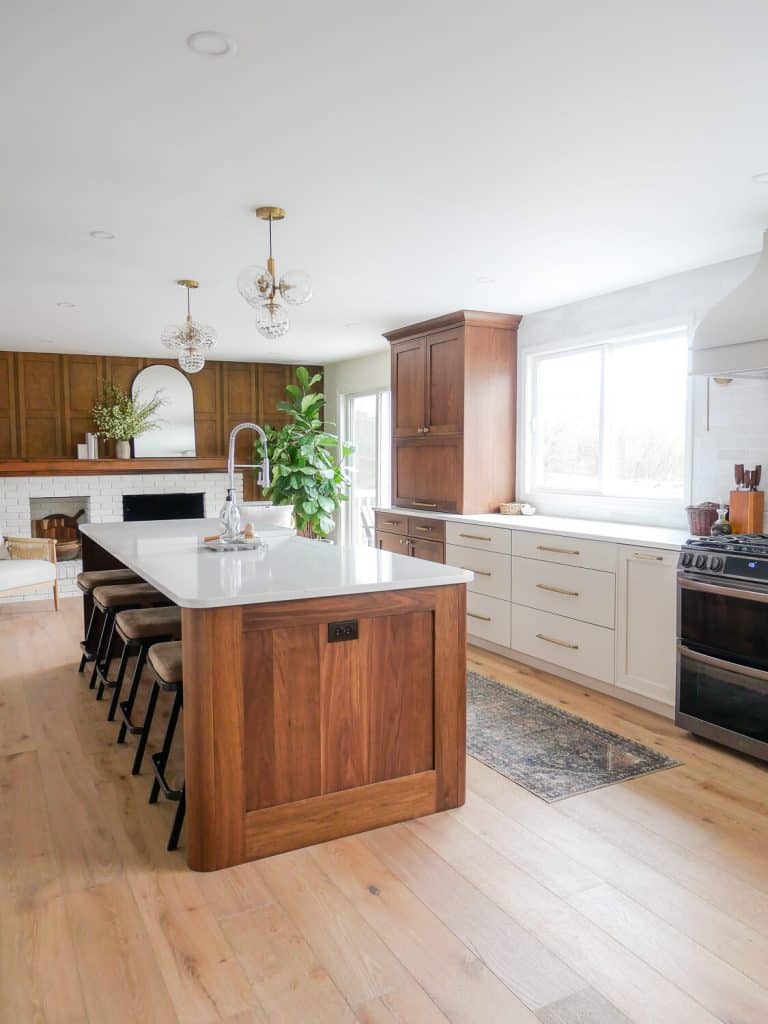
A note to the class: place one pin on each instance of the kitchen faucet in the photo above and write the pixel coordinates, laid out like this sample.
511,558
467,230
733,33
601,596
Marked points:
230,513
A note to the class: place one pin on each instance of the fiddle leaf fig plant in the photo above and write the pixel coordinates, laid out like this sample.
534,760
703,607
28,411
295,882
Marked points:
308,461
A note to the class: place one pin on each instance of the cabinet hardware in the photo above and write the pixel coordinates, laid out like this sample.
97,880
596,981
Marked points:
484,618
477,572
560,643
475,536
425,504
557,551
390,522
649,558
404,541
423,529
425,430
557,590
420,430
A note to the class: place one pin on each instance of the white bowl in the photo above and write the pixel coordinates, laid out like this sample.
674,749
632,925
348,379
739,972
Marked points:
264,514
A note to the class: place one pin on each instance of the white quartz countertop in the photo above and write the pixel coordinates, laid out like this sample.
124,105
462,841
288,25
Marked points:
168,555
589,529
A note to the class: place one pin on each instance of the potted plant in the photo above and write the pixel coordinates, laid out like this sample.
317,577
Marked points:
307,461
120,418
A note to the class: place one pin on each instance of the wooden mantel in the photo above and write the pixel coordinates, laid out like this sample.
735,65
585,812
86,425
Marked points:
98,467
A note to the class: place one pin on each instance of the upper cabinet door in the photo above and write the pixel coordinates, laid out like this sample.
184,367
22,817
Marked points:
445,382
408,388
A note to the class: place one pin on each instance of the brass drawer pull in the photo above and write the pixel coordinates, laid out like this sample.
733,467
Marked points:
404,541
475,536
477,572
649,558
423,529
484,618
425,504
557,590
560,643
390,522
557,551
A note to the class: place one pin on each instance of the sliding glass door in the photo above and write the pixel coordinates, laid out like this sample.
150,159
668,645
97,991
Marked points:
366,425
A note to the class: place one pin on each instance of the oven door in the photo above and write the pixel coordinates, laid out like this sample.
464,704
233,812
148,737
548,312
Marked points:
725,619
723,701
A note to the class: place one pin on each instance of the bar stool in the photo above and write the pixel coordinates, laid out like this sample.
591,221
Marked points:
109,601
165,663
150,628
87,582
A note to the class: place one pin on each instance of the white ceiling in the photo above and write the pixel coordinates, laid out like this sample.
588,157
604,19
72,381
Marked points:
420,148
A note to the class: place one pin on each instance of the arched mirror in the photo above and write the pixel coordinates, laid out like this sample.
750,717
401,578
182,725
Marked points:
176,436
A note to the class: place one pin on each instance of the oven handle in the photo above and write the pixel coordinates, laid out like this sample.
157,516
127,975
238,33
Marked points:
729,666
686,583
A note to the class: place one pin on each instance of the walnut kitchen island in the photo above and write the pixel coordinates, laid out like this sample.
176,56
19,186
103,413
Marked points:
324,686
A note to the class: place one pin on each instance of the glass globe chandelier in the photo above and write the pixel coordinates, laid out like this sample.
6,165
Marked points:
260,288
191,340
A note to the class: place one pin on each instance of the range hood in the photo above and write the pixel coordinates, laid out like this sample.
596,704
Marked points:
732,338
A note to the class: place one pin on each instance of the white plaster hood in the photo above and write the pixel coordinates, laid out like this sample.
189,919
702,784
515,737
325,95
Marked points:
732,338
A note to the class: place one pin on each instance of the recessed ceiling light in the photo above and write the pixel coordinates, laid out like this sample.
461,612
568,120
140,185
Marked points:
210,44
761,179
65,305
101,234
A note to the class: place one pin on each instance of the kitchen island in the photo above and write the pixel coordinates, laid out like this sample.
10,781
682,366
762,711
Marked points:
324,686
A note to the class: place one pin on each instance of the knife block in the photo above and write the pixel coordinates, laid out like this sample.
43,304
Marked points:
747,511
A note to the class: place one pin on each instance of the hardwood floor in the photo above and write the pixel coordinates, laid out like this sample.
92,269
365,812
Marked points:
646,901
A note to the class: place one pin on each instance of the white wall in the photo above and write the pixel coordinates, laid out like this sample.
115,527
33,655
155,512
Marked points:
351,376
736,428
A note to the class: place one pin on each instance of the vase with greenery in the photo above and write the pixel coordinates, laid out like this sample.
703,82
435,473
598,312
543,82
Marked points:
120,418
308,461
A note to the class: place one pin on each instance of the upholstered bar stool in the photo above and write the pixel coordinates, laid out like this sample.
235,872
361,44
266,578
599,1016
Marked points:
165,663
87,582
144,630
109,601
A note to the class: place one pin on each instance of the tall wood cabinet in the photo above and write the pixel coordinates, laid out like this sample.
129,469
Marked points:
454,384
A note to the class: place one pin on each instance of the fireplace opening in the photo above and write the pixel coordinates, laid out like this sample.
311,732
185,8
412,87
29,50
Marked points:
145,507
59,519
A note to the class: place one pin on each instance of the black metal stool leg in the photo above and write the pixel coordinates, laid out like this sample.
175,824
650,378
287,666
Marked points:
144,734
102,671
119,682
126,706
99,648
160,759
88,638
178,821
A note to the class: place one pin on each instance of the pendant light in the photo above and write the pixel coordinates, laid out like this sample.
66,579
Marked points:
191,340
259,286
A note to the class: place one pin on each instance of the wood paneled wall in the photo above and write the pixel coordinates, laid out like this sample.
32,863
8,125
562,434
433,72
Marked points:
45,400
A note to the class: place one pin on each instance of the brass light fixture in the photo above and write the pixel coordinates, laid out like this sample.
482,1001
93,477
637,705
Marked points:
191,339
259,286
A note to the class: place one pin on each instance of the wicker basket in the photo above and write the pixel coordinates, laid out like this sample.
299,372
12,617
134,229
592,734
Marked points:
701,517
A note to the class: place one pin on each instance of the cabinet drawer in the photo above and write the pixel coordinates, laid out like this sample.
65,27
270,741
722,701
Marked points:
391,522
492,570
488,618
585,594
430,550
578,646
552,547
484,538
421,528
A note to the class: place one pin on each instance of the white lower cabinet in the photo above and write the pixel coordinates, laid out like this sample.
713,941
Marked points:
646,622
488,618
578,646
492,573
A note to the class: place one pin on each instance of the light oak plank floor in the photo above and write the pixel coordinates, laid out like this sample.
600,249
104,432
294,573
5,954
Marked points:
645,902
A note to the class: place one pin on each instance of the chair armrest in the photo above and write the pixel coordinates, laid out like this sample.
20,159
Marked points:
32,547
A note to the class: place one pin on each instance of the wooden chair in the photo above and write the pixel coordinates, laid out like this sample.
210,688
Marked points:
32,565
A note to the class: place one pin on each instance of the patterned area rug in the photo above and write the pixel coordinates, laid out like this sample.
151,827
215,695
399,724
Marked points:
549,752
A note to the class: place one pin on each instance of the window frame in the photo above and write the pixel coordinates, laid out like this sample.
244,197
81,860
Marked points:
383,466
593,502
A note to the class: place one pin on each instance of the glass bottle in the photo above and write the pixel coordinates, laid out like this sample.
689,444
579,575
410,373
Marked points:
721,527
230,516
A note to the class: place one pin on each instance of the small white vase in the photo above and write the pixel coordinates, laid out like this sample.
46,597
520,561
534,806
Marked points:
123,449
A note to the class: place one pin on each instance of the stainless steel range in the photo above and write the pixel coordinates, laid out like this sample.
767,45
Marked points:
722,661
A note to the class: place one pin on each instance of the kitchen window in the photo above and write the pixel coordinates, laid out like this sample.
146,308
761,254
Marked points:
366,425
608,420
